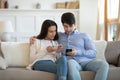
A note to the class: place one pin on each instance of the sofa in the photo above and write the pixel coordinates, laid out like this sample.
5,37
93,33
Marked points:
14,58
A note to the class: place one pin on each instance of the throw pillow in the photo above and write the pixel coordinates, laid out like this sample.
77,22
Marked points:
3,64
16,53
0,50
100,47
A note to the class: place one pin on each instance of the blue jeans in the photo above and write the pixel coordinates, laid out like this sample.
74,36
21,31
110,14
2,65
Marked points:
59,67
99,66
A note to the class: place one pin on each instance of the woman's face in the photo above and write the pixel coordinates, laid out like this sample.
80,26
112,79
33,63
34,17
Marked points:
51,33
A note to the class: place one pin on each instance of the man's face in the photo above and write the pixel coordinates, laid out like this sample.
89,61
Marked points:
68,29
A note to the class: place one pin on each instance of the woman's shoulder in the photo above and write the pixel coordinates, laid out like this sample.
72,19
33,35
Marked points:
37,41
40,40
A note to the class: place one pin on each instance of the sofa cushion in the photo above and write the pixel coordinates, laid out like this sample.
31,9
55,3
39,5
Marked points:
23,74
16,53
100,47
114,73
112,52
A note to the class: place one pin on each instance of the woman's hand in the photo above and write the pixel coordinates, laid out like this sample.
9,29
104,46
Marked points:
32,39
59,49
50,49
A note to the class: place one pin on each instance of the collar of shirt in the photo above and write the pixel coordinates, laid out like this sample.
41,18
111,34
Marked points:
74,32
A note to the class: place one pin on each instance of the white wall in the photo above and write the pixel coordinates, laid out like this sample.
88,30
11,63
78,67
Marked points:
88,11
88,17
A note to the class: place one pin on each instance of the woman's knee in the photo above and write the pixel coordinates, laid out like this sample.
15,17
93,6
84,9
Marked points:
62,61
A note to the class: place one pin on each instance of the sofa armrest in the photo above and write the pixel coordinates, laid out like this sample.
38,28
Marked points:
112,52
119,61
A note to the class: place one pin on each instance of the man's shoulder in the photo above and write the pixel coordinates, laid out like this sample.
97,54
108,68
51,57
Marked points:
82,33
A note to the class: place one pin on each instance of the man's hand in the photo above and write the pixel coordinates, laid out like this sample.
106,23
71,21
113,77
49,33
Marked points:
72,53
32,39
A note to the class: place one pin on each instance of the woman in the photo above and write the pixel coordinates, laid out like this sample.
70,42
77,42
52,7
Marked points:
45,52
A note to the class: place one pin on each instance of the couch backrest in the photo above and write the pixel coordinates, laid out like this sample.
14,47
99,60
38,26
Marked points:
17,53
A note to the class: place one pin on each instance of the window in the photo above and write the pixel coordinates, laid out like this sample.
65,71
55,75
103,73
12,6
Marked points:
111,19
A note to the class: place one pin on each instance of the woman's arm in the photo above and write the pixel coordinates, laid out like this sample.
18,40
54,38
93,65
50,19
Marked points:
33,51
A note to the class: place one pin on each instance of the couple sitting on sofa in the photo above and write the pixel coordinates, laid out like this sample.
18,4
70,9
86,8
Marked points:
49,55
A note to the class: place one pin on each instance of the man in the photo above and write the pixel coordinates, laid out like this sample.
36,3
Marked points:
80,51
83,54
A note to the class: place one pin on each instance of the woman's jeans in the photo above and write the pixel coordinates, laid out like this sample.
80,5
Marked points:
59,67
99,66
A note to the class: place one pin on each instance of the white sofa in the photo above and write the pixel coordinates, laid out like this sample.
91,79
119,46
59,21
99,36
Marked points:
14,58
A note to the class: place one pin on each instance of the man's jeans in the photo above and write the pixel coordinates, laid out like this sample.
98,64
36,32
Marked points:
59,67
99,66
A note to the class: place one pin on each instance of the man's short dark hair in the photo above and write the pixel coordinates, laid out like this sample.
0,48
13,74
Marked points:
68,18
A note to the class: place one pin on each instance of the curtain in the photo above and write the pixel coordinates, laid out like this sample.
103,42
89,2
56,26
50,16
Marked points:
118,25
100,21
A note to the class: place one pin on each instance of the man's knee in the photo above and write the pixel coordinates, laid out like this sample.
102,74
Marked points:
71,62
74,65
104,64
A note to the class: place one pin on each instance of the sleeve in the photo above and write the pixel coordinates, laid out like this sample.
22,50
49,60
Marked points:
56,46
89,49
33,51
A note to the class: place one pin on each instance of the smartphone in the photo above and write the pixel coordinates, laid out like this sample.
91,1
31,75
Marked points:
68,50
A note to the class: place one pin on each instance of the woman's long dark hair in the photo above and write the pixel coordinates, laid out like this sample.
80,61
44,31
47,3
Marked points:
44,30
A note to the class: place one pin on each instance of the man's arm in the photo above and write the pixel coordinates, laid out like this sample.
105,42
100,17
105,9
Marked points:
88,49
32,39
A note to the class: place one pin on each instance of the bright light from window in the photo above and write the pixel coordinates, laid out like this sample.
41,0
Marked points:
113,6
